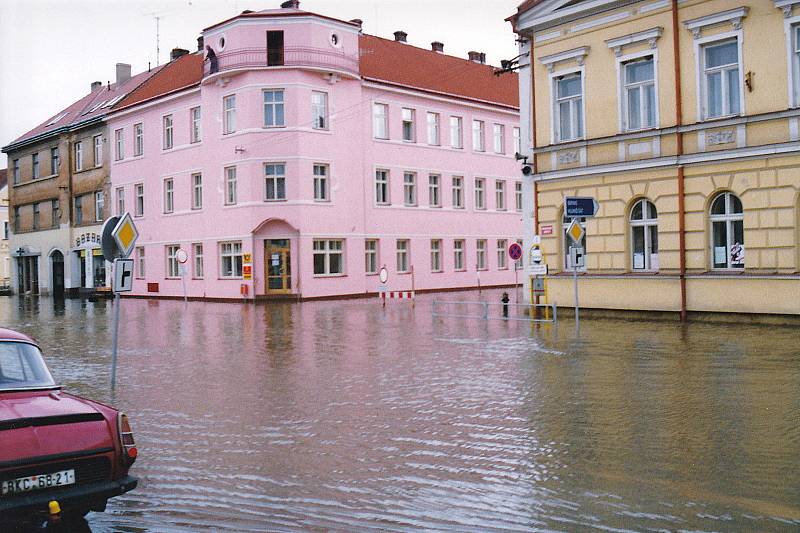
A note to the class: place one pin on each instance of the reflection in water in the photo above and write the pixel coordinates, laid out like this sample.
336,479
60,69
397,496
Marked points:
345,416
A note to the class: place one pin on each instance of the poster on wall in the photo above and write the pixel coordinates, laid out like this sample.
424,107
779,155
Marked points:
737,254
720,255
638,261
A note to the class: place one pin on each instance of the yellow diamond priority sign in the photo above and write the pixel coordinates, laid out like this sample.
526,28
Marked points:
575,231
125,235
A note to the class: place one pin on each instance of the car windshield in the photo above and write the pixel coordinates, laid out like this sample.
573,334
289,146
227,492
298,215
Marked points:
22,367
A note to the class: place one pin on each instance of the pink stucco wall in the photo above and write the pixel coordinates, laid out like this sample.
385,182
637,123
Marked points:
351,153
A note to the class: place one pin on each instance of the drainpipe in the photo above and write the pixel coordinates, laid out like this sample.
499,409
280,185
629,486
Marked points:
679,153
533,141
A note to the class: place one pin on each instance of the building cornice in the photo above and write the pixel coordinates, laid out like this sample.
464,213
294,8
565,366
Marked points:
578,54
732,16
786,6
650,36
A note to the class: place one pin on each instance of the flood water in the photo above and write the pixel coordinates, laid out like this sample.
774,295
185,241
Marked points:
343,416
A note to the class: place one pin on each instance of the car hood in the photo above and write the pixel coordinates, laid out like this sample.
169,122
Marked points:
42,423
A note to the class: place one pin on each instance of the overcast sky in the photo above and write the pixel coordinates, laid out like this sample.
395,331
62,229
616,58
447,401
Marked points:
51,50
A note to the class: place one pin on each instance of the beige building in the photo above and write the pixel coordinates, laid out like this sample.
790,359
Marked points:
695,162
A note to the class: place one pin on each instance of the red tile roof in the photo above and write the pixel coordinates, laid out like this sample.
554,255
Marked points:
400,64
91,106
177,75
523,7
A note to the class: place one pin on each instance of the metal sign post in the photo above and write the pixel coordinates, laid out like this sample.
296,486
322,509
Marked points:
181,257
119,238
576,233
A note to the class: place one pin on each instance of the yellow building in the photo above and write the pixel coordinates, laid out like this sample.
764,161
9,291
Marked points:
695,163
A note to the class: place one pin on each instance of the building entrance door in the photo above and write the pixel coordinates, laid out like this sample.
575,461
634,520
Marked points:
57,268
28,274
277,266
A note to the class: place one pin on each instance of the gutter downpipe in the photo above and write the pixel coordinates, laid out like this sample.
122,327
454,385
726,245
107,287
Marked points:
533,141
679,153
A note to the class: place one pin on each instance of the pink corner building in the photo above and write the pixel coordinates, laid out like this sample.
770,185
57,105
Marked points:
292,154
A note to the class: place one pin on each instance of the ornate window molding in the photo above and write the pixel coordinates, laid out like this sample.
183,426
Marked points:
733,16
786,6
578,54
650,36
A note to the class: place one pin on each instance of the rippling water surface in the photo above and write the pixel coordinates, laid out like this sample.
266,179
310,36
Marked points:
342,416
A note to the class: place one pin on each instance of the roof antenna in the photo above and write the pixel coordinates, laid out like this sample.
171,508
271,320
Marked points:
109,84
148,66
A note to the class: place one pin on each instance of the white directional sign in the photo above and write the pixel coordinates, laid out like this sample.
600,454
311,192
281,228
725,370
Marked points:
577,257
123,275
538,269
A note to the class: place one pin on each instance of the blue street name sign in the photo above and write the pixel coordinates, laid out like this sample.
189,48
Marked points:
580,206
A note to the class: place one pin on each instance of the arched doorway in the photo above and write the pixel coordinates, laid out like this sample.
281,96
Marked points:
275,246
57,268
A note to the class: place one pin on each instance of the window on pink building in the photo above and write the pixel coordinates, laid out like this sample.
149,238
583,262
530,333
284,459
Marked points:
403,253
480,254
371,256
456,132
501,254
434,190
380,121
230,259
382,187
458,254
408,125
436,255
433,129
480,193
229,114
230,185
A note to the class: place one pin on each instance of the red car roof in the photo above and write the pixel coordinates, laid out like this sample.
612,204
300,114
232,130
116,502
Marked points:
11,335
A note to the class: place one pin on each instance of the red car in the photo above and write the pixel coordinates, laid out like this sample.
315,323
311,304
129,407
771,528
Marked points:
61,456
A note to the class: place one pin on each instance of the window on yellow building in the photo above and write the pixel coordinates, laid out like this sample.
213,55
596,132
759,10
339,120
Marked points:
569,107
721,82
727,231
639,98
644,236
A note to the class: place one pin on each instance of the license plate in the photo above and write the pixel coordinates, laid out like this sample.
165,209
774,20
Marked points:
42,481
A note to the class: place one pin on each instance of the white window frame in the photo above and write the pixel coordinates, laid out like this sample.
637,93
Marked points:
645,222
478,135
518,196
700,45
319,111
436,255
729,217
622,97
517,132
480,255
173,267
119,142
499,138
97,142
791,29
555,116
500,195
275,105
410,189
197,190
228,250
403,255
480,194
78,157
169,195
382,190
140,262
198,268
138,139
228,114
278,180
459,248
457,192
230,191
120,201
138,200
502,254
434,130
456,132
167,132
321,182
380,121
434,190
99,205
323,247
371,256
195,125
412,122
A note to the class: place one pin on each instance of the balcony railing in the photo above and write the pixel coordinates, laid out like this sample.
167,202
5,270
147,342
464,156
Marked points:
244,58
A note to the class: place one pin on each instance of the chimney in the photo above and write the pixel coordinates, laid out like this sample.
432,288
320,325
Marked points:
436,46
123,72
200,45
483,58
291,4
477,57
96,85
357,22
176,53
400,36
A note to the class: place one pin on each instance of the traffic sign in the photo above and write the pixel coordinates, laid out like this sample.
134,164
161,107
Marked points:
181,256
576,231
536,254
515,251
383,275
107,242
580,206
123,275
125,235
577,257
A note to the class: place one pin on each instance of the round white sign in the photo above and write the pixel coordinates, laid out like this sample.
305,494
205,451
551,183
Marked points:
181,256
384,275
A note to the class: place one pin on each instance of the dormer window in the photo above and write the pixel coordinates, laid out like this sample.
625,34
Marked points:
274,48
